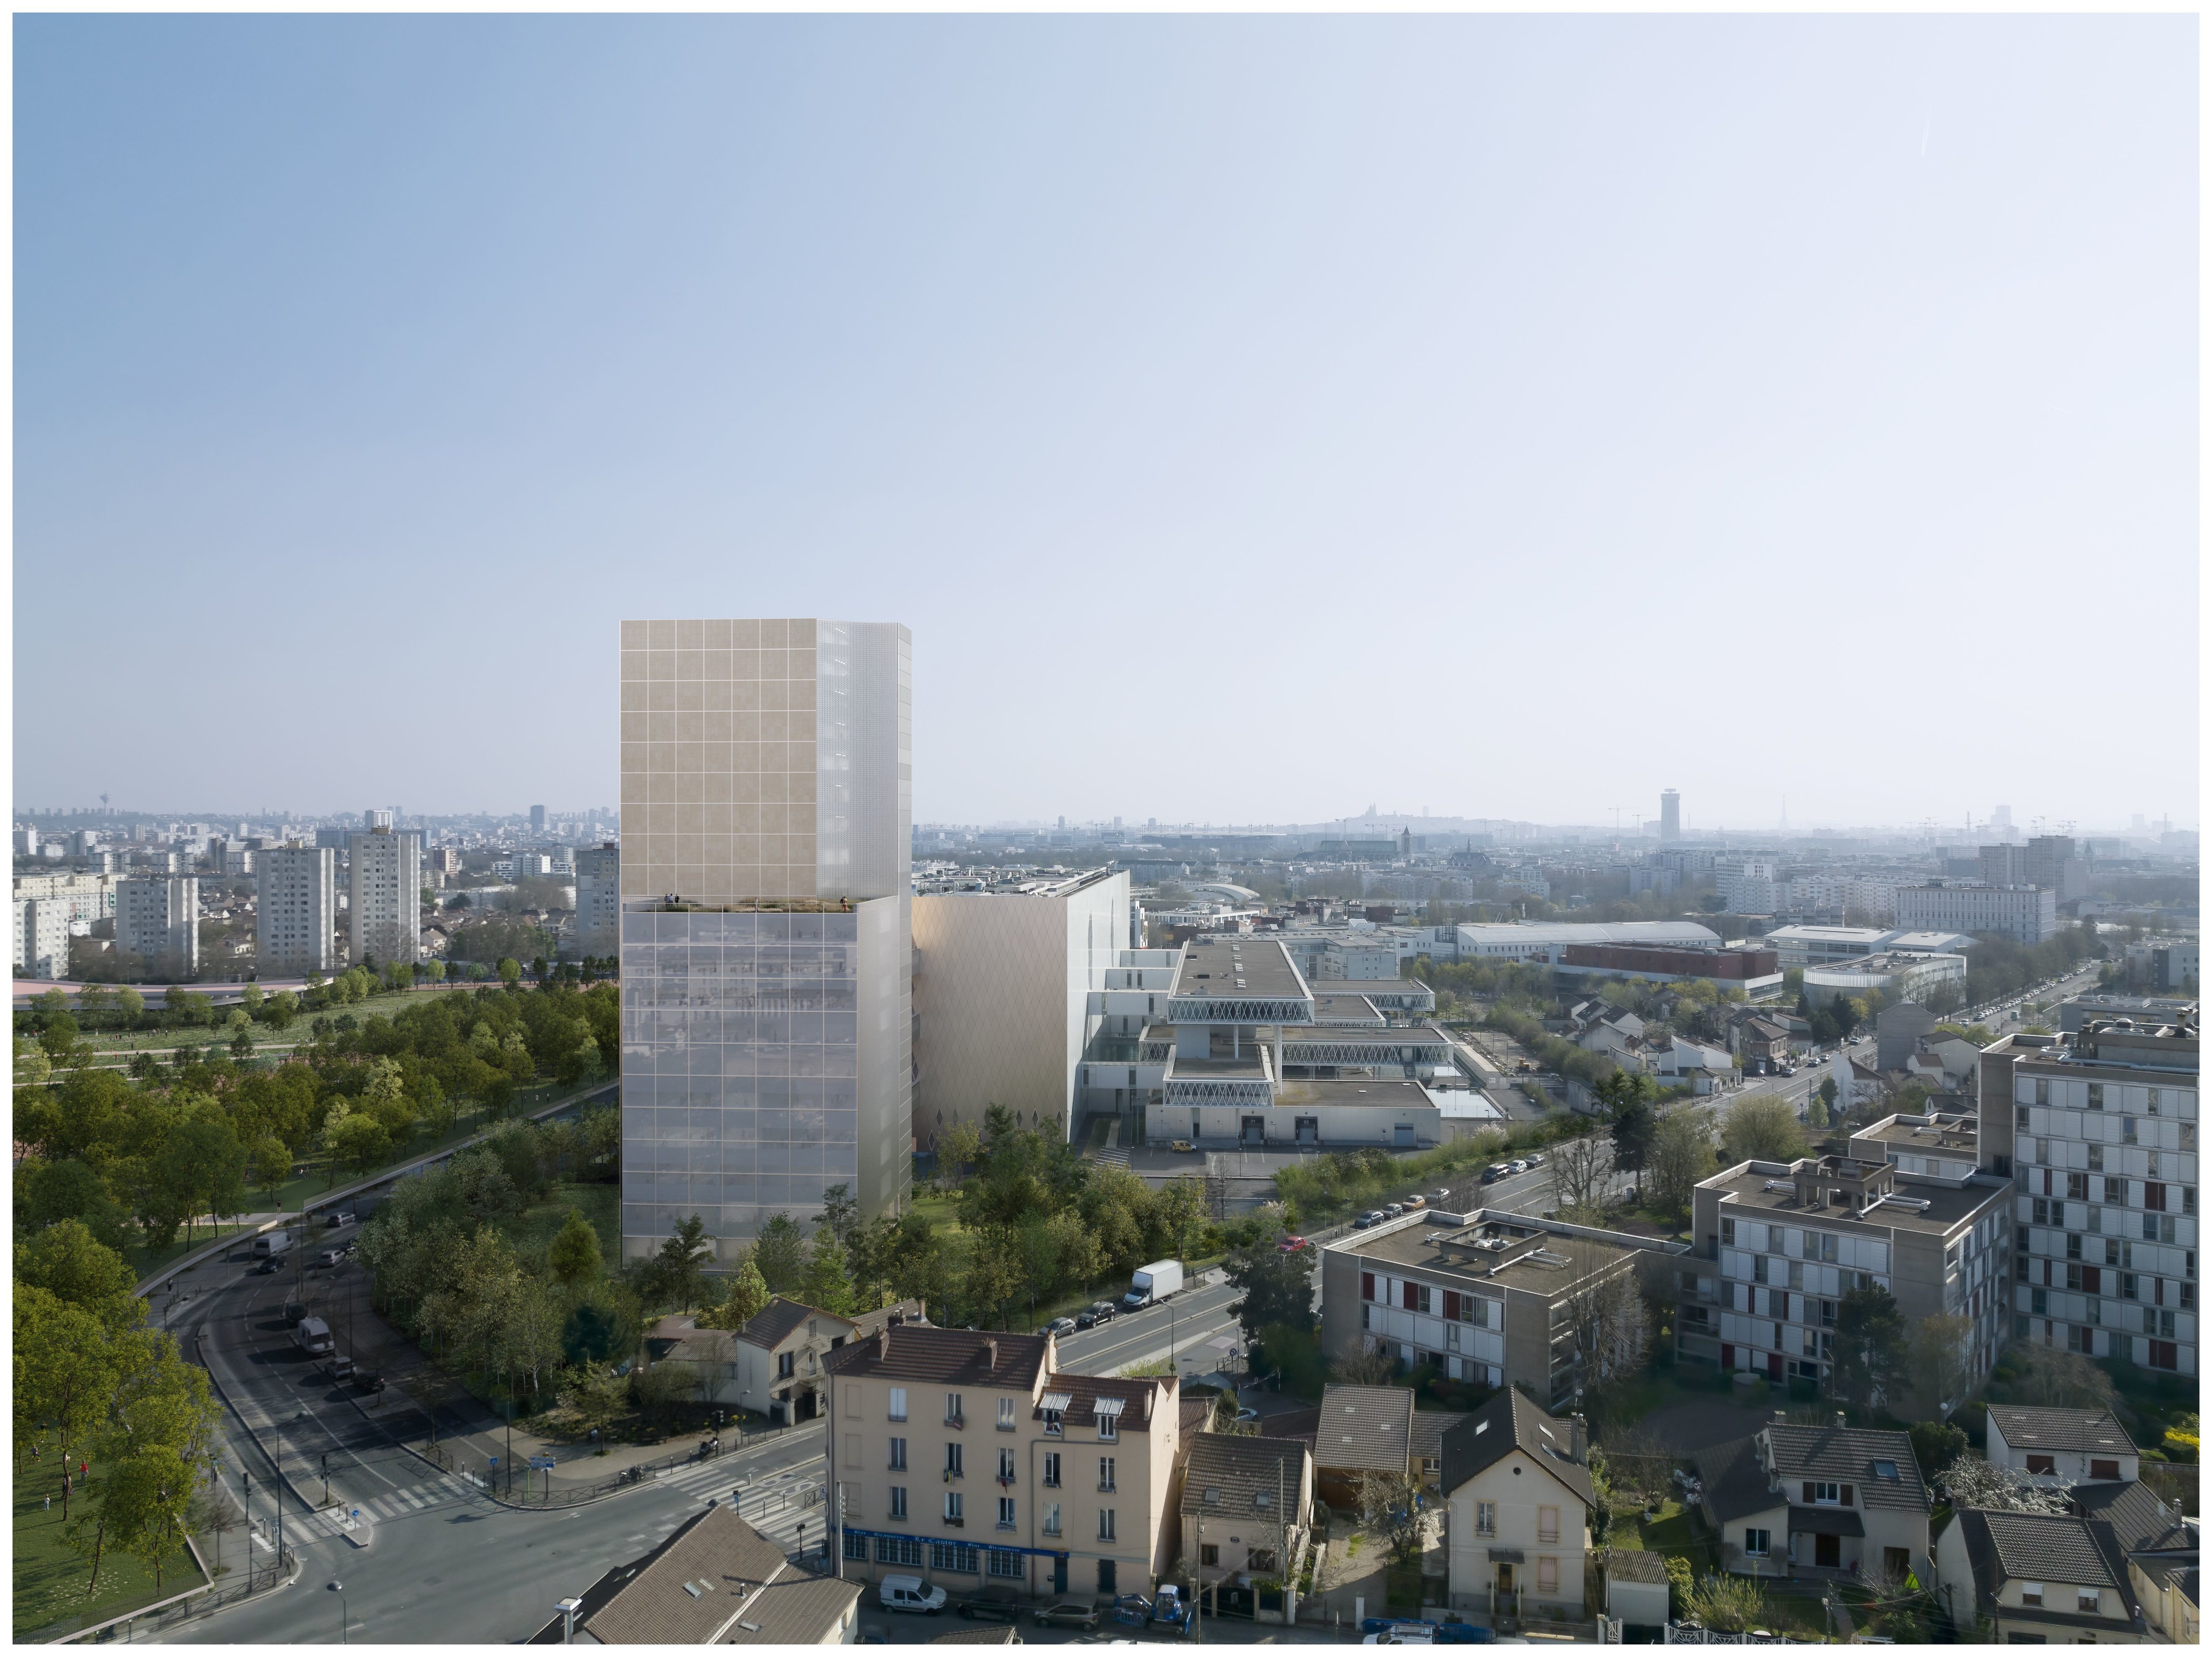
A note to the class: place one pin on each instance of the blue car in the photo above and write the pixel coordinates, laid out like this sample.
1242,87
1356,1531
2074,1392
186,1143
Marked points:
1464,1633
1133,1610
1384,1624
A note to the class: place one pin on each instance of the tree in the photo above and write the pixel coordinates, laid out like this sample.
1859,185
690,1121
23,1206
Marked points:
1390,1508
748,1297
959,1146
2061,1381
1681,1154
1580,1171
591,1335
1179,1210
779,1253
69,1263
1939,1356
1374,1369
65,1369
827,1281
1936,1445
1613,1327
510,971
994,1276
1760,1126
1871,1347
1276,1287
574,1256
1971,1482
268,1164
595,1397
680,1267
358,1141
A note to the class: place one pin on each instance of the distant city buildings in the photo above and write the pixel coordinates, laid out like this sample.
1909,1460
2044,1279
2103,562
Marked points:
157,923
295,910
2028,915
599,901
1671,816
384,893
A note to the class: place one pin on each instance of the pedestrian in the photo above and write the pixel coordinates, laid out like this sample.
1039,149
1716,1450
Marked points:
49,1507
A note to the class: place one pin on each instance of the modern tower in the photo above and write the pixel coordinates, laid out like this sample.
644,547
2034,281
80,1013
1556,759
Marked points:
157,920
1671,815
295,908
767,922
538,820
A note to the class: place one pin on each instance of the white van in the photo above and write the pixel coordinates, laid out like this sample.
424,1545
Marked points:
271,1242
909,1593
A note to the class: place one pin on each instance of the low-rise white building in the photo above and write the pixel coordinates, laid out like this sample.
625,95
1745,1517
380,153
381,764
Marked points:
1894,974
2063,1446
1547,940
2028,915
1518,1485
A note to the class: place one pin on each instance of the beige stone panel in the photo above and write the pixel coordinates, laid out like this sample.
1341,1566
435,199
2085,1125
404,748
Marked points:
687,849
802,632
802,696
690,664
744,783
774,788
800,818
690,786
775,819
744,634
744,664
719,779
745,819
691,753
715,727
691,694
634,726
632,687
776,633
745,728
690,634
661,787
689,819
714,819
633,636
717,632
661,728
717,665
660,665
660,757
660,819
660,696
802,757
746,849
718,696
745,694
663,635
691,730
632,754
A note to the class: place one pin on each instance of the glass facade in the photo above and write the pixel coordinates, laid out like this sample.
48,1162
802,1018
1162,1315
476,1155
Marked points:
740,1067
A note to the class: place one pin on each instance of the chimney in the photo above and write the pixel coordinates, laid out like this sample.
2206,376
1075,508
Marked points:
991,1354
882,1344
1782,1417
1580,1438
1841,1421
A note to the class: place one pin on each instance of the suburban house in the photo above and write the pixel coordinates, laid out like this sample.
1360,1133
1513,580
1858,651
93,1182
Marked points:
1518,1486
1791,1500
716,1581
1071,1473
776,1364
1760,1044
1361,1429
2037,1578
2161,1545
1245,1505
2075,1446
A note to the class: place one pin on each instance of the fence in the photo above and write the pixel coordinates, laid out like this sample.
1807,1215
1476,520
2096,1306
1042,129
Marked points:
513,1487
1681,1634
184,1608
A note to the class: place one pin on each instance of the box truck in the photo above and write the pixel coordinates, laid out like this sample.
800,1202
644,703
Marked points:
312,1336
271,1242
1153,1282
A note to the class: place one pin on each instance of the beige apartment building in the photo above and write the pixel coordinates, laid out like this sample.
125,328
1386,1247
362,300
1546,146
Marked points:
1489,1299
295,909
966,1458
383,894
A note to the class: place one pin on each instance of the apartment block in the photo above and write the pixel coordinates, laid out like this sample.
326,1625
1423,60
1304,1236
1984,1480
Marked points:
88,897
295,909
2028,915
42,936
1009,986
2099,1132
598,901
383,894
157,922
766,928
1488,1299
1778,1245
1071,1473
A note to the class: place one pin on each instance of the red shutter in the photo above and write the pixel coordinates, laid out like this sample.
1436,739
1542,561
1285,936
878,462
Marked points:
1410,1298
1451,1305
1367,1286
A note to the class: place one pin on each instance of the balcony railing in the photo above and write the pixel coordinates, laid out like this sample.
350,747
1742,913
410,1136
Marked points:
1107,1485
1006,1481
956,1421
955,1522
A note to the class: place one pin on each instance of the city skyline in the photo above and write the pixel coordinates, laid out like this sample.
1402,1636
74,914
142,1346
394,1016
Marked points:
1614,374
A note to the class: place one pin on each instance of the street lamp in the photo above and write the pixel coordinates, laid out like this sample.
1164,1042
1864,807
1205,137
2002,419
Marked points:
339,1588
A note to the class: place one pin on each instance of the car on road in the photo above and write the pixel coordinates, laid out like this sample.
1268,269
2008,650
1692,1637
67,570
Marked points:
336,1222
992,1605
1133,1611
1246,1414
1181,1144
1058,1326
331,1258
342,1370
909,1593
1535,1159
1372,1217
1518,1165
1068,1613
1392,1211
1440,1196
1415,1201
1400,1637
1290,1245
1096,1313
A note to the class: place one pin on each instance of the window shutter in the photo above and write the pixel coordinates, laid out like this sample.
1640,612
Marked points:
1847,1495
1809,1490
1451,1305
1410,1297
1367,1286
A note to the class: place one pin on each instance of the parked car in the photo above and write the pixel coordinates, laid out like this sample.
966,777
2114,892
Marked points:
909,1593
1518,1165
1465,1634
1535,1159
1168,1608
342,1370
1392,1211
1133,1611
1068,1613
1372,1217
1058,1326
1098,1312
1416,1200
1494,1173
1440,1196
992,1605
1390,1624
1181,1144
1290,1245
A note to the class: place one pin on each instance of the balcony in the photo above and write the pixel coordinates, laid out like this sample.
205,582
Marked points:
956,1422
1006,1481
955,1522
1007,1524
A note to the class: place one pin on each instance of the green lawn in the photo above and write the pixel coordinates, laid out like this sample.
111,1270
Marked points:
53,1582
147,1261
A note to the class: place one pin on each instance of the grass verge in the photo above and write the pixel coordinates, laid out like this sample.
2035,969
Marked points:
54,1583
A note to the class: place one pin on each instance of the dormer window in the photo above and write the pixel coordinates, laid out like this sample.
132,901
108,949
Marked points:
1109,1417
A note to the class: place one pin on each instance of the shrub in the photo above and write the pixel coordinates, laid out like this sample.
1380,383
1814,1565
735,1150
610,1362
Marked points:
1730,1604
1681,1581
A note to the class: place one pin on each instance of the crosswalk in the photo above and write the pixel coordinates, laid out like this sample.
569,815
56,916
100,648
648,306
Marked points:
395,1504
775,1504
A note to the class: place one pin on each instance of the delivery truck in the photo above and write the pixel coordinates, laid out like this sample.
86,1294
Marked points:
1153,1282
312,1336
271,1242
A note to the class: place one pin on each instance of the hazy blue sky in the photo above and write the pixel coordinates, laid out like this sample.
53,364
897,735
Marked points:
1252,419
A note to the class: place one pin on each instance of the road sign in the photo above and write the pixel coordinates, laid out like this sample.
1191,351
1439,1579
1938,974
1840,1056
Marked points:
541,1461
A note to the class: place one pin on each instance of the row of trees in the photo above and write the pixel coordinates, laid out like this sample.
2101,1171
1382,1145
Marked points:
94,1384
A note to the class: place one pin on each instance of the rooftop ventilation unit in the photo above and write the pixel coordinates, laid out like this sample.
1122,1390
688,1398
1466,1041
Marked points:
1781,1185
